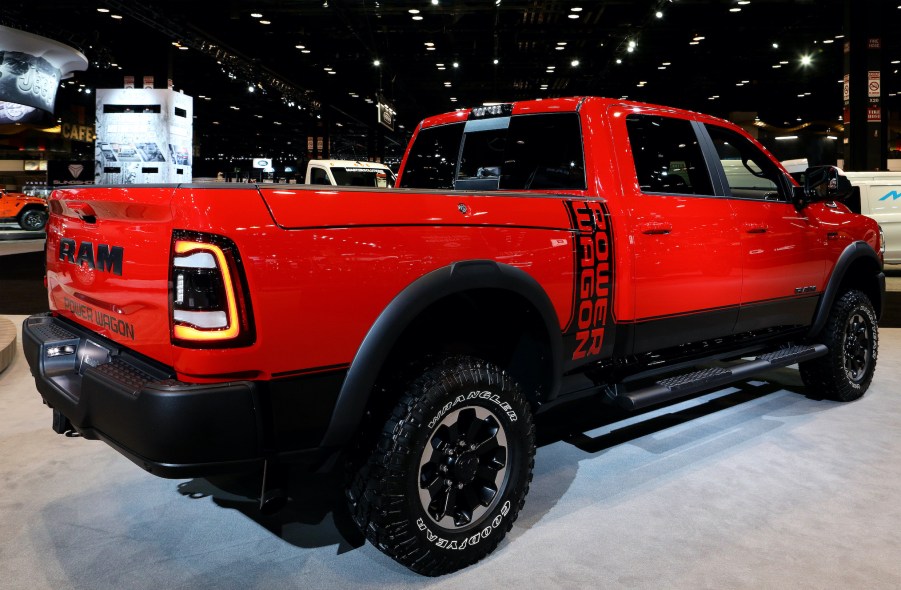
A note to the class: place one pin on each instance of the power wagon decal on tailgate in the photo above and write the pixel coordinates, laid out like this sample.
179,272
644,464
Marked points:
593,293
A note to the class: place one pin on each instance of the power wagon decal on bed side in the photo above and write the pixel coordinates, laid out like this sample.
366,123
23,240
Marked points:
593,293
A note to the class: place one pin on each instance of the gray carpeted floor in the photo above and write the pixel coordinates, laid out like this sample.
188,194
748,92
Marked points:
772,490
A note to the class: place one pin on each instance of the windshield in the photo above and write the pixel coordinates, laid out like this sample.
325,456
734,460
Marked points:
377,178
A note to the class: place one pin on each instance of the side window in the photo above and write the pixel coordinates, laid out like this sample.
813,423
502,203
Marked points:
668,157
750,174
433,158
544,152
318,176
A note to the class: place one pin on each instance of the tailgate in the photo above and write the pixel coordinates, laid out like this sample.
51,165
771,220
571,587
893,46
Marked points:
108,263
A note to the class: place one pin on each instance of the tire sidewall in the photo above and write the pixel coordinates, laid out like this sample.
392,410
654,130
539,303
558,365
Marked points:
513,415
858,305
31,213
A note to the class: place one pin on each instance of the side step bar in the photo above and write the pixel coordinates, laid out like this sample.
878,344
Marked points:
690,383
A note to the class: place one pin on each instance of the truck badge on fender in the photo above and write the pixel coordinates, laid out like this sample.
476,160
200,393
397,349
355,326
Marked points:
107,258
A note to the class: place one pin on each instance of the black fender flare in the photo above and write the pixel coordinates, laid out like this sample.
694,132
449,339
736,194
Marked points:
406,306
853,252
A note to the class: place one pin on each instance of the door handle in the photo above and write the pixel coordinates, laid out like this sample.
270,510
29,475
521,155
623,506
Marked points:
654,228
754,228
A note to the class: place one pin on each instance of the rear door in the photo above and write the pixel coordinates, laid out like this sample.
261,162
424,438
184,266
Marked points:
687,258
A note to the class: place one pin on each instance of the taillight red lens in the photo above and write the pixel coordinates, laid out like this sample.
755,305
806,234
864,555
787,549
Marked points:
208,300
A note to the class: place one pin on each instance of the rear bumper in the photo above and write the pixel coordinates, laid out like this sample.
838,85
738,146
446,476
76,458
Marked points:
170,428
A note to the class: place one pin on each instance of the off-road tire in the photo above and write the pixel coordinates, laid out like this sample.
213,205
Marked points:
32,219
449,471
852,335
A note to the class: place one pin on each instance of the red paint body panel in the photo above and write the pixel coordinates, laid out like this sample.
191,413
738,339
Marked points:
316,291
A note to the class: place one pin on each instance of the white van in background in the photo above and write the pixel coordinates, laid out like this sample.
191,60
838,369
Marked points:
876,195
349,173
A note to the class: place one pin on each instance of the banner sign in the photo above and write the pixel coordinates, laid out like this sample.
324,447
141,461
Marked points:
386,116
66,172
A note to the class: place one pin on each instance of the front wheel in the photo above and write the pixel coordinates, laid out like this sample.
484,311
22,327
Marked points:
450,469
852,335
32,219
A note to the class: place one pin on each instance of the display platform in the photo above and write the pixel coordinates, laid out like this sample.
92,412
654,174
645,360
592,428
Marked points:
754,486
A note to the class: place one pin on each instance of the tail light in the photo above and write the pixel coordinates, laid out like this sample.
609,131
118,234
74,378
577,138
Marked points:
208,298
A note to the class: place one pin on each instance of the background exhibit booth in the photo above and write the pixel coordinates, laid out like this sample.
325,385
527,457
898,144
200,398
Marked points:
144,135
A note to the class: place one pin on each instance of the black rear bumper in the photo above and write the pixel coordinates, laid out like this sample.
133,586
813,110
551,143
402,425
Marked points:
170,428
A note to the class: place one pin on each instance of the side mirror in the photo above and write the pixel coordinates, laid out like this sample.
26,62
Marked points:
822,183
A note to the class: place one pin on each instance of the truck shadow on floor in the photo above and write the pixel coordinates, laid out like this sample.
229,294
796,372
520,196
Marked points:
316,514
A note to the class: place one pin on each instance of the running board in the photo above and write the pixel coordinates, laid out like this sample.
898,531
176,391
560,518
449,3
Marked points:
690,383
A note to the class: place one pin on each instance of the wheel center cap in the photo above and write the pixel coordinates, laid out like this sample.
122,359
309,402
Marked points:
465,468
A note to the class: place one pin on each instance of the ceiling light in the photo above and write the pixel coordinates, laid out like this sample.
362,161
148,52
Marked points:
632,44
429,44
776,67
619,61
116,16
376,63
573,16
827,41
806,60
327,69
561,42
736,9
300,46
574,63
784,137
305,51
658,14
413,11
103,10
775,46
434,3
417,17
559,48
495,61
698,38
744,2
576,9
456,64
256,15
666,63
265,22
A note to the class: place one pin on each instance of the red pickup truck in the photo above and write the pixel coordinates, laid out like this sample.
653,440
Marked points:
532,254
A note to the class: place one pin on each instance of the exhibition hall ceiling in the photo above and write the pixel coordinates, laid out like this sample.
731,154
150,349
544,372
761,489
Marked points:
314,60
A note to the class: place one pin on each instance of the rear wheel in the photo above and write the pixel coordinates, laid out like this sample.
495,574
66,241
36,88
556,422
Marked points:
852,335
32,219
450,469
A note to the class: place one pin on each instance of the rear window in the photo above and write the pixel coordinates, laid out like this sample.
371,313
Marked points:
508,153
433,158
